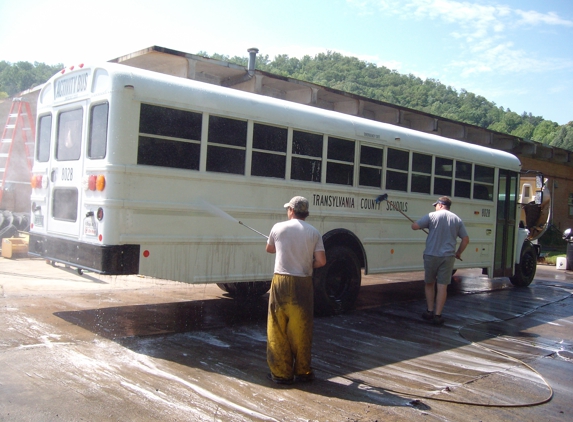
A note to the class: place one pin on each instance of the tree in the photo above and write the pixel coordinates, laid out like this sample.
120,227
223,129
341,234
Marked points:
564,138
545,131
524,130
18,77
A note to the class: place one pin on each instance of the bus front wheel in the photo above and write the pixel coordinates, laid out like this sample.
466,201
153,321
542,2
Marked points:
525,270
246,290
336,285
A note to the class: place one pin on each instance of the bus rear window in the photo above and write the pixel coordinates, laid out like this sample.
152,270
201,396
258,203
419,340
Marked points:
44,138
69,135
98,131
65,204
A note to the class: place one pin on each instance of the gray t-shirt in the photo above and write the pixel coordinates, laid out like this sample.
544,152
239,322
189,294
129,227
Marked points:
444,229
295,242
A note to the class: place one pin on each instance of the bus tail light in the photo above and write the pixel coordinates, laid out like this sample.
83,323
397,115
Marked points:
95,182
92,182
38,181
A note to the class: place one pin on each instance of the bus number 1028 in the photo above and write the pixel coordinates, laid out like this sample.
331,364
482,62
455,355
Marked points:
68,174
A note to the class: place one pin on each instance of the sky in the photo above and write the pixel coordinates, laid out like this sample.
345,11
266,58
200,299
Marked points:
515,53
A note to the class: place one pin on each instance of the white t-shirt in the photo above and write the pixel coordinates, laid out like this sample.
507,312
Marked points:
295,242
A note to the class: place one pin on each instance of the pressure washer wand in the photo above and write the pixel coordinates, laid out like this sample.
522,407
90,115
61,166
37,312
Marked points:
384,197
256,231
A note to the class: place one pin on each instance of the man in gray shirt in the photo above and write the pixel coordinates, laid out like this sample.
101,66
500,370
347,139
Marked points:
440,254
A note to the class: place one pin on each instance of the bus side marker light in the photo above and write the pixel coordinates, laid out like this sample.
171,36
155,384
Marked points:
476,212
391,251
99,214
100,237
34,182
100,182
146,253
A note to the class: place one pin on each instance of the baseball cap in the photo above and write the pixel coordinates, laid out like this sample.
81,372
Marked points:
444,200
298,204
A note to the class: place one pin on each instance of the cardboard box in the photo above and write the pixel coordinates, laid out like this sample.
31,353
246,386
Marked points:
14,246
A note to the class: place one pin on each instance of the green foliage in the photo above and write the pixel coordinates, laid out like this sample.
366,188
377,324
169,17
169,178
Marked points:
18,77
352,75
564,137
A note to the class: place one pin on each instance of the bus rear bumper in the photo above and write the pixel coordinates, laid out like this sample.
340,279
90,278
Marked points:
111,260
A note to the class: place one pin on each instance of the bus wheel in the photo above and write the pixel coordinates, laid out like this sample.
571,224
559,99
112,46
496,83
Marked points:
247,290
336,285
525,270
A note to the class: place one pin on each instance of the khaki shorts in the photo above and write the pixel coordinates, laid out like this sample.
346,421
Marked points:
438,269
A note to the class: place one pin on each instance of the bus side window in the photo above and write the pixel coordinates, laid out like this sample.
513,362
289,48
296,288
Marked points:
306,161
443,176
44,138
421,173
69,135
340,164
483,182
269,151
169,137
97,142
399,162
227,144
463,179
371,160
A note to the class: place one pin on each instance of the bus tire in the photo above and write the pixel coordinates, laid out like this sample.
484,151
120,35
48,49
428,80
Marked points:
336,285
246,290
525,270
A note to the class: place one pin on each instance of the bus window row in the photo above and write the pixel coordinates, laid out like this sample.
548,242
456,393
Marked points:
172,138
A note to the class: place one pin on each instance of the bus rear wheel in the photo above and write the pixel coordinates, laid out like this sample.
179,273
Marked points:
336,285
246,290
525,270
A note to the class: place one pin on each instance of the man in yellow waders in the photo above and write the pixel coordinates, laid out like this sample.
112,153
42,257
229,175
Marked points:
299,249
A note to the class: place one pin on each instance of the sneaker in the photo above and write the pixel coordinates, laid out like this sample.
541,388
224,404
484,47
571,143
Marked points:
438,320
278,380
304,378
428,315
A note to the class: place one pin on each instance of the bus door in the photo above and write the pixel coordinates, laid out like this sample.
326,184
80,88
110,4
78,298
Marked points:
505,224
66,172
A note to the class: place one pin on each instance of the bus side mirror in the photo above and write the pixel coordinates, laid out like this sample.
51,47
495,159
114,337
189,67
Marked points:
539,187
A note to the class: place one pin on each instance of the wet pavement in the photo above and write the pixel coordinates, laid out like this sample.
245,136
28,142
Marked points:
129,348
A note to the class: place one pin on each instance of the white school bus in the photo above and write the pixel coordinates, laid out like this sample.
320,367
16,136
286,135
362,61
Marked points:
130,163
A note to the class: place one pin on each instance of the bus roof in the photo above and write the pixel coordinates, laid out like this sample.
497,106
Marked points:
185,93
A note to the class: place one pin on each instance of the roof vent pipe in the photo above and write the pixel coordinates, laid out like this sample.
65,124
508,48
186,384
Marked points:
252,59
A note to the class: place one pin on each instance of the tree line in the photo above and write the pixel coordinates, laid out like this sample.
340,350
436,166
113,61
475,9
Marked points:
350,74
20,76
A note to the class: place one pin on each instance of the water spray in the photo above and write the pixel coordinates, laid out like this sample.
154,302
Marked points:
220,213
